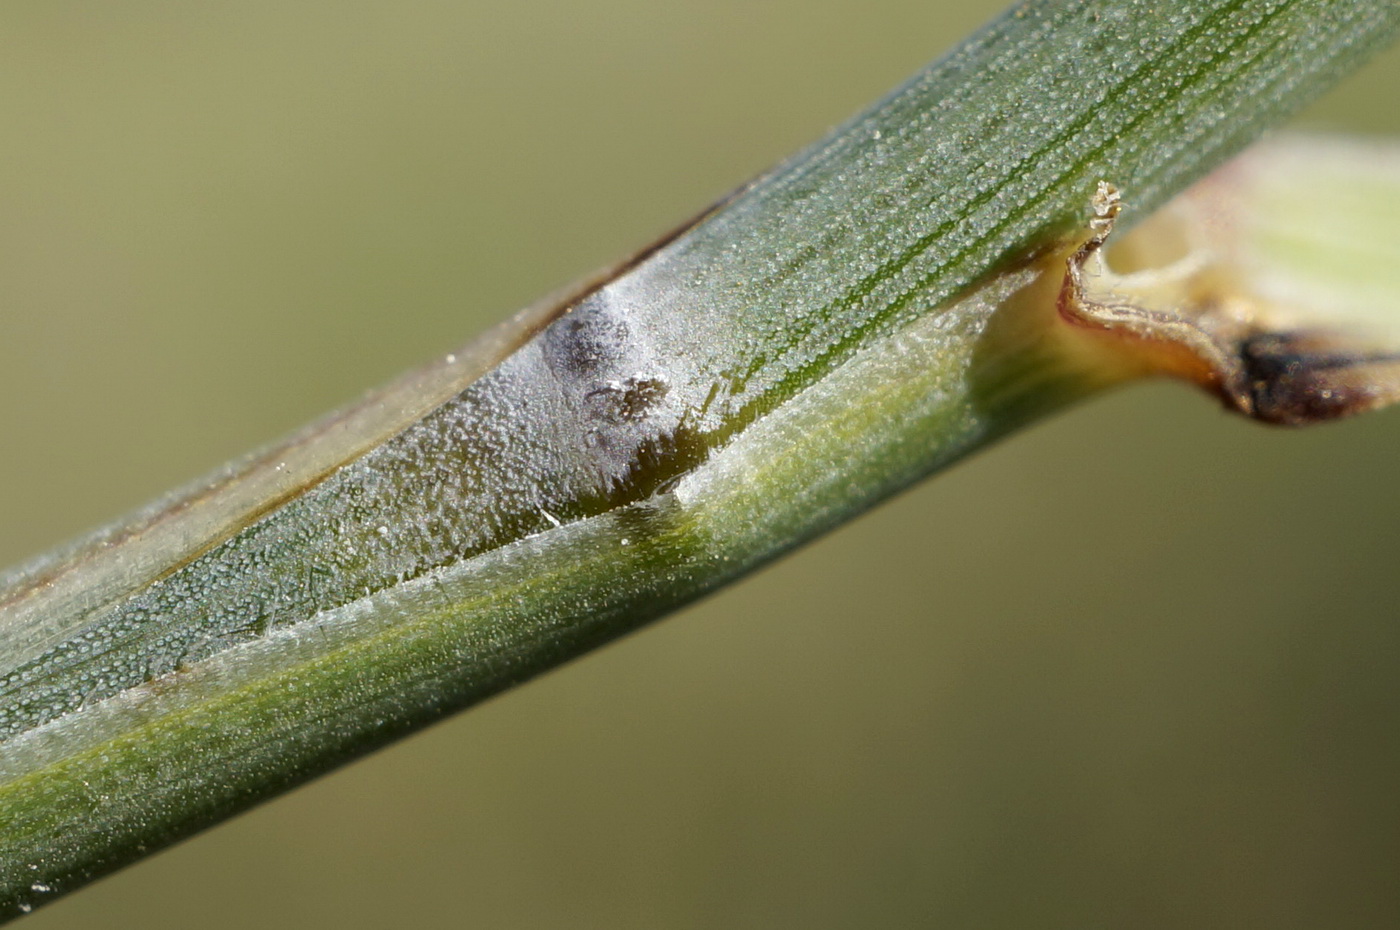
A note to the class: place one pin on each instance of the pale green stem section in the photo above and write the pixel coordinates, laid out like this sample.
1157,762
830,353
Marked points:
863,316
1318,230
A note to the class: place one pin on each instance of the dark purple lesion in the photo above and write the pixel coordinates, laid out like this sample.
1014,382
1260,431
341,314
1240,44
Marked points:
1295,378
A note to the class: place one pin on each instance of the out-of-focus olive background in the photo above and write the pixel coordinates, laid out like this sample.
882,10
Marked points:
1135,667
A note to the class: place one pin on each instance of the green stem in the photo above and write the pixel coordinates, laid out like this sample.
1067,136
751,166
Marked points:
848,324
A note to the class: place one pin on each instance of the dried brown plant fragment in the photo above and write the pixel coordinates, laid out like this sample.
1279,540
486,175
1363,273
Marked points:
1203,298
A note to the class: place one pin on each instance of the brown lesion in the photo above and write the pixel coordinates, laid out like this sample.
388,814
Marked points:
1194,319
627,400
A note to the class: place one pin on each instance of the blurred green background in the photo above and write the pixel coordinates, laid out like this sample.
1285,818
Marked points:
1136,667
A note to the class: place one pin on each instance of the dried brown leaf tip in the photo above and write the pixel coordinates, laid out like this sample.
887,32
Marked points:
1210,290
